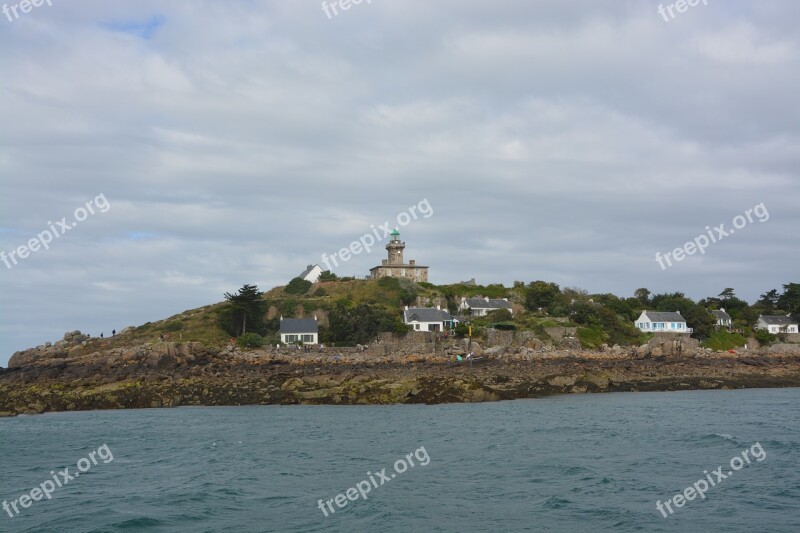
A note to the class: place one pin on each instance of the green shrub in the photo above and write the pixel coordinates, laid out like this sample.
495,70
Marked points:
297,286
250,340
592,337
327,275
724,340
389,283
173,326
499,315
764,337
320,292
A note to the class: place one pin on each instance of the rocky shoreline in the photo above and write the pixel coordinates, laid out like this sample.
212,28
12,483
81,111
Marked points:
82,374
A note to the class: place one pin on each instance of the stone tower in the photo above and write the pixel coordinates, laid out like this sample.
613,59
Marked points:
395,248
394,266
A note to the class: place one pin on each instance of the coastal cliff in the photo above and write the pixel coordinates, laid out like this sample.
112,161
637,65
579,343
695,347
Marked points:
83,374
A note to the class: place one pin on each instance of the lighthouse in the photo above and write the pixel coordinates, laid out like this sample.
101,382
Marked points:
394,266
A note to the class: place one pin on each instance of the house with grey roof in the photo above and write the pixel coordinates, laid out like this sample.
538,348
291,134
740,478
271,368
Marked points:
482,306
428,319
294,330
777,323
723,319
311,273
662,322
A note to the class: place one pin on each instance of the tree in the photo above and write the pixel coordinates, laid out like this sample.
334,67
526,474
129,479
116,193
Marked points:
244,310
675,301
541,294
619,329
768,302
250,340
297,286
361,324
327,275
643,295
701,321
727,294
499,315
789,301
584,313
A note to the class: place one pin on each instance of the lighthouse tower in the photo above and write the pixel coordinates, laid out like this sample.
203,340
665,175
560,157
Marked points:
395,248
394,266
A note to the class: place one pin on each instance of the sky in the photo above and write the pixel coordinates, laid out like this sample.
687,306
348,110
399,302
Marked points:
224,143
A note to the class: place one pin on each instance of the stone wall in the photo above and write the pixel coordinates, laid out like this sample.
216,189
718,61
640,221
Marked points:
672,344
497,337
559,333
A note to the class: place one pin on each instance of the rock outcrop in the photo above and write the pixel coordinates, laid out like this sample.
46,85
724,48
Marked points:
79,373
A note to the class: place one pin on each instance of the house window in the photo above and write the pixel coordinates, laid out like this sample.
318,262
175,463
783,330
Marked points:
291,338
308,338
416,326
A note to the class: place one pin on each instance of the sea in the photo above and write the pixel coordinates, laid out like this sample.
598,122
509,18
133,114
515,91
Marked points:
579,462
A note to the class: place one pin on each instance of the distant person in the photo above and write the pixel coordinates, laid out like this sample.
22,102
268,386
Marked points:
113,332
101,334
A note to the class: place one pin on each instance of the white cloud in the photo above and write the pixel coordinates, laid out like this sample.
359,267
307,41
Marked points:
237,142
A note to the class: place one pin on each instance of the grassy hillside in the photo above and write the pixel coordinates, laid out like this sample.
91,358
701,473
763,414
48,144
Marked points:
355,310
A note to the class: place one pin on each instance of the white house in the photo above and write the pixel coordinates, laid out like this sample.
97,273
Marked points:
303,330
723,319
311,273
482,306
662,322
428,319
777,324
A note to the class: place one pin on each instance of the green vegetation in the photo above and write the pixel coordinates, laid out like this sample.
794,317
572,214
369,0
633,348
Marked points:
244,312
327,275
765,338
592,337
298,286
723,340
250,340
356,311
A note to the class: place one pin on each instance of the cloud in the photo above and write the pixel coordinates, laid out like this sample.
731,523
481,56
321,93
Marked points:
237,142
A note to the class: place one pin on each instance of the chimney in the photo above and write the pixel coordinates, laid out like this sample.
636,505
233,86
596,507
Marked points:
281,318
678,312
722,309
486,298
315,318
438,308
406,308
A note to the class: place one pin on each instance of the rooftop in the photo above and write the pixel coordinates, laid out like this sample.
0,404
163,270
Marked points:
664,316
299,325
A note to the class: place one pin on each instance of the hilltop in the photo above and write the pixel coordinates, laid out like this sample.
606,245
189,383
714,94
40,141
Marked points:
352,312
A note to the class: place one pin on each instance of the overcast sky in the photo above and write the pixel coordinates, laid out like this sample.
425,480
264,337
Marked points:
236,142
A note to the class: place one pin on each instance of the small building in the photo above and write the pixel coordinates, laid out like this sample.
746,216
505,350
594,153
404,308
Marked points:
482,306
311,273
294,330
723,319
662,322
394,267
777,323
428,319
